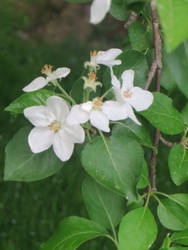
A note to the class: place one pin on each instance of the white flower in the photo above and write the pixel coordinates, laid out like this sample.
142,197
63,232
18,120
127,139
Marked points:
99,113
130,96
107,58
51,128
98,11
91,82
40,82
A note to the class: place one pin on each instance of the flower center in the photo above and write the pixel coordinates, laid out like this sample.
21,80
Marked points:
97,103
93,53
55,126
92,76
47,69
127,93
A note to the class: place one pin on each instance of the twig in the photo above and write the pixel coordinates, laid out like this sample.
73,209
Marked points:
133,16
155,68
167,143
157,63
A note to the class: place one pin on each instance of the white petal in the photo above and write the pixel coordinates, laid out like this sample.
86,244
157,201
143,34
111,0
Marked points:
100,121
87,106
108,57
75,132
128,78
39,116
131,114
141,99
36,84
62,72
115,81
40,139
114,110
98,10
118,94
63,147
77,115
59,107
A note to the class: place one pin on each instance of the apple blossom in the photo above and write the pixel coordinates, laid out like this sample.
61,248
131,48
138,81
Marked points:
91,82
41,82
51,128
98,11
130,96
107,58
98,112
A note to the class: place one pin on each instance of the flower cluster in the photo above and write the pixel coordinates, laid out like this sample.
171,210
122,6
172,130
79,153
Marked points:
57,126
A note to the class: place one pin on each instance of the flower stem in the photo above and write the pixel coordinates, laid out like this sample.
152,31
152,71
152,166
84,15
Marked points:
106,93
56,83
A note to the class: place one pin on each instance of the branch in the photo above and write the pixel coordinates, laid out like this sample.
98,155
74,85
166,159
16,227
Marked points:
157,63
155,68
167,143
133,16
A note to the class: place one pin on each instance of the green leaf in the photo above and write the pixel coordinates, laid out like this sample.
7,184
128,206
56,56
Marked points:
178,64
38,97
178,164
104,206
132,59
174,20
22,165
180,237
119,10
173,212
141,132
77,90
143,182
112,161
184,113
138,230
166,242
137,36
72,232
177,248
162,115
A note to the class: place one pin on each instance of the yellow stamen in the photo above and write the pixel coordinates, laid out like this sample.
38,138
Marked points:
54,126
127,94
47,69
97,102
92,76
93,53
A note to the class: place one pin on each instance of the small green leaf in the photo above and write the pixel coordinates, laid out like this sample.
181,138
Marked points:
119,9
162,115
166,242
180,237
38,97
104,206
132,59
138,230
184,113
173,212
178,64
143,182
137,36
174,20
112,161
72,232
22,165
178,164
177,248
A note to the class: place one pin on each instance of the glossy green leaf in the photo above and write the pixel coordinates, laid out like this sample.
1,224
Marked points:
144,181
141,132
137,36
112,161
178,164
184,113
138,230
173,213
180,237
132,59
72,232
22,165
104,206
174,20
119,9
29,99
162,115
178,63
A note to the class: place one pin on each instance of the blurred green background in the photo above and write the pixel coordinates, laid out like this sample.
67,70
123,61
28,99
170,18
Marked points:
33,33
